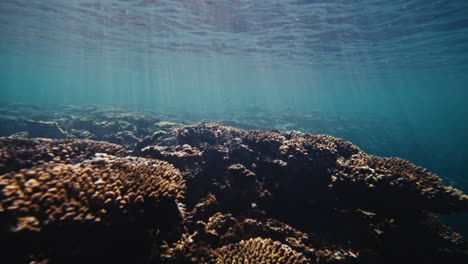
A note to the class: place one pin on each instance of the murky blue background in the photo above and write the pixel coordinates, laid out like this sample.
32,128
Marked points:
405,61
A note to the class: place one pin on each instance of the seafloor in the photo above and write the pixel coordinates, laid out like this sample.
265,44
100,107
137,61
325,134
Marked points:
109,185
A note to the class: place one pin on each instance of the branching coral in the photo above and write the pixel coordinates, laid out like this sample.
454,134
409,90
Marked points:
207,133
101,189
258,250
16,154
409,187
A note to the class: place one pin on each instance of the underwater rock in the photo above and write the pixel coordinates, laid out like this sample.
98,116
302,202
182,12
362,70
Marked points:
45,129
122,128
82,134
167,126
139,120
148,141
101,128
9,126
123,138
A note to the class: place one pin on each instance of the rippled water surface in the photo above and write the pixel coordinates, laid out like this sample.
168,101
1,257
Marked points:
320,33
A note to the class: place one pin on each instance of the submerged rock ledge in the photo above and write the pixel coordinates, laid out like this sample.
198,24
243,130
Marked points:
211,193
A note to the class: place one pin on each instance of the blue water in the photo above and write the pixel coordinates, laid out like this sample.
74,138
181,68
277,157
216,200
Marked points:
402,60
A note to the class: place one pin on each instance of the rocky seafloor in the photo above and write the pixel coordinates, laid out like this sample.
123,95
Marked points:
97,185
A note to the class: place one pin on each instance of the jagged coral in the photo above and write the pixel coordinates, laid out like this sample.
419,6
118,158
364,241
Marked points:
395,179
264,141
258,250
359,207
312,167
94,190
207,133
313,146
224,229
16,154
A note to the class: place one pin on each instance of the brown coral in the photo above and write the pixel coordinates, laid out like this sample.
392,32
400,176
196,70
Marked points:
16,154
358,207
95,190
396,180
258,250
207,133
312,168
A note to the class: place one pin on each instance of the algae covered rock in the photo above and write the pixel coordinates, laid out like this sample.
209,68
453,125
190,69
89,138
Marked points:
45,129
11,125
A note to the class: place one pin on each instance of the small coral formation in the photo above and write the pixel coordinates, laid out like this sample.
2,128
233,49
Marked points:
210,233
94,190
398,179
68,190
258,250
16,154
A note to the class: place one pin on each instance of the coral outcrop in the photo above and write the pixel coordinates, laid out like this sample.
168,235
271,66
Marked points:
356,207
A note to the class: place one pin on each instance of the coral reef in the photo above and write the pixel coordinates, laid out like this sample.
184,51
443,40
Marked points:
165,192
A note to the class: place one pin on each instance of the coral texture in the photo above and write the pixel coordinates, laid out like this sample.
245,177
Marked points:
64,198
211,193
16,154
313,168
91,191
353,207
258,250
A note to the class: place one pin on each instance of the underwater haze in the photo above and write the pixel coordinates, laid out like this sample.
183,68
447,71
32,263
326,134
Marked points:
209,55
400,63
